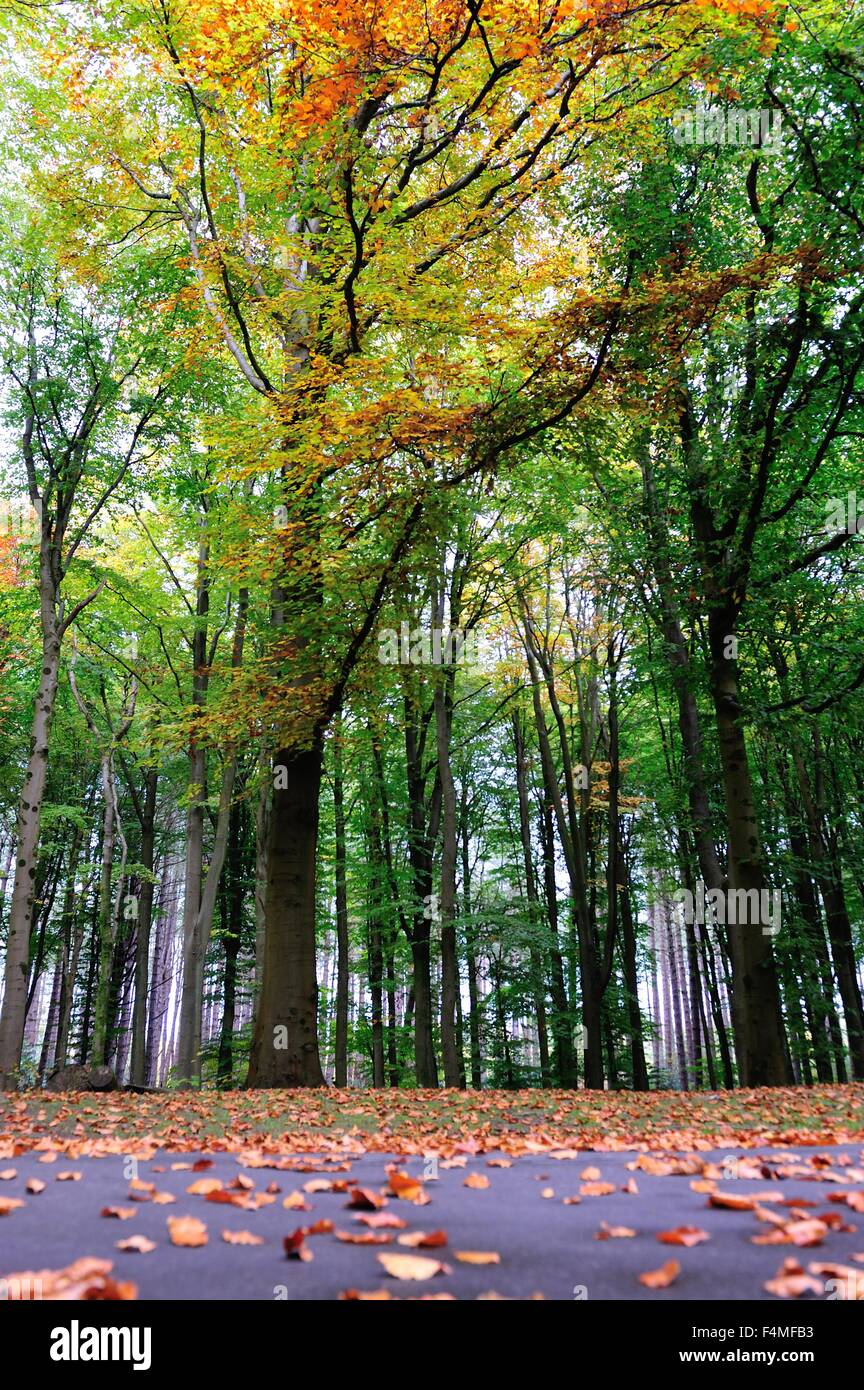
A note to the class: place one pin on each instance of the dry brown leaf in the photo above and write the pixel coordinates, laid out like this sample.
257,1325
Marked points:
8,1204
295,1246
121,1213
790,1281
730,1202
204,1186
478,1257
661,1278
295,1201
365,1199
138,1244
683,1235
424,1240
409,1189
364,1237
35,1185
412,1266
381,1220
596,1189
608,1232
477,1180
187,1231
85,1279
241,1238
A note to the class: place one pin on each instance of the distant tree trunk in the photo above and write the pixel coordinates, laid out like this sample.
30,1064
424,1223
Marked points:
562,1032
538,986
142,936
447,897
421,838
631,979
471,948
342,947
49,1039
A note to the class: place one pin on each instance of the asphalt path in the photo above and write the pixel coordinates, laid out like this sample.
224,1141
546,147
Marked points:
545,1247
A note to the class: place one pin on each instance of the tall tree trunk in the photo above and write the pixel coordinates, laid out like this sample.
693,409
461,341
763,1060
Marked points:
284,1049
447,897
14,1009
757,1018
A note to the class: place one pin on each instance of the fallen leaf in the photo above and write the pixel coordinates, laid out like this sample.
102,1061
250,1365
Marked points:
241,1238
295,1246
68,1176
476,1180
607,1232
364,1237
730,1202
139,1244
596,1189
121,1213
683,1235
790,1281
409,1189
381,1220
424,1240
204,1186
412,1266
295,1201
87,1278
366,1199
849,1281
478,1257
35,1185
8,1204
661,1278
187,1231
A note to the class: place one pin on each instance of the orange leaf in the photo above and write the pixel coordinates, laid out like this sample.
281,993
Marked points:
683,1235
661,1278
187,1230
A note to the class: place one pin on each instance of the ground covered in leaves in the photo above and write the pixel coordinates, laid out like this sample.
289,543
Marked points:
648,1226
419,1122
360,1194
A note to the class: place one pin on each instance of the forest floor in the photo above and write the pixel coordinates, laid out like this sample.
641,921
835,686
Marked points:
563,1195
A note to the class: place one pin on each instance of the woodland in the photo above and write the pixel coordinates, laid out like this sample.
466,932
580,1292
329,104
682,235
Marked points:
430,463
